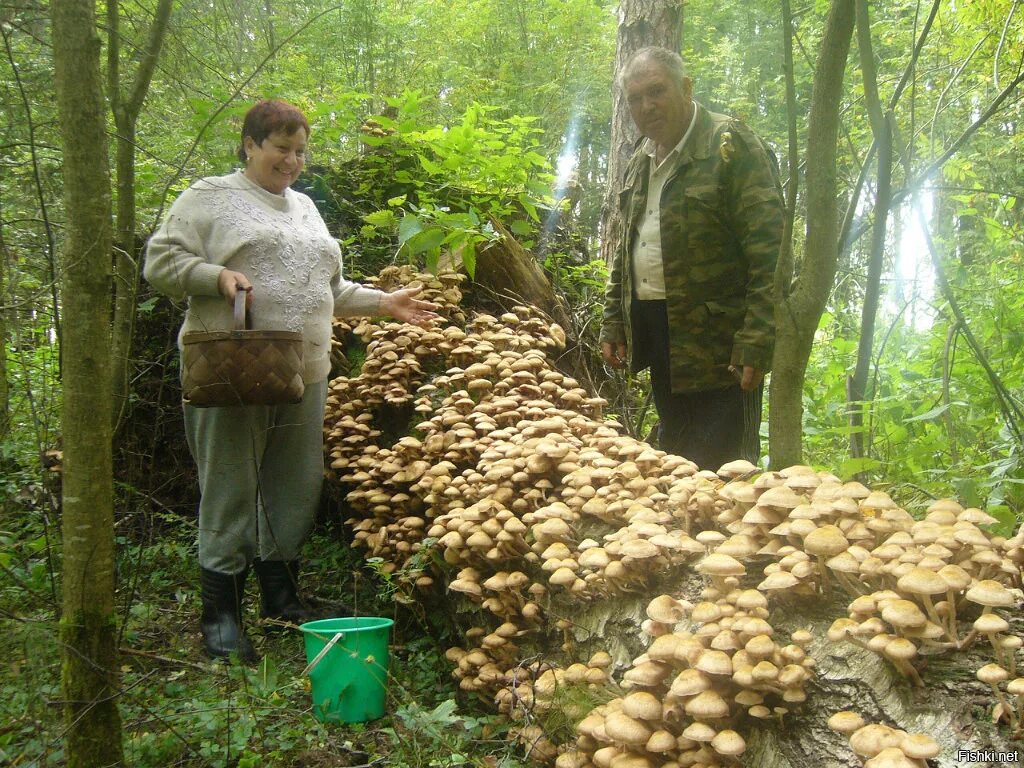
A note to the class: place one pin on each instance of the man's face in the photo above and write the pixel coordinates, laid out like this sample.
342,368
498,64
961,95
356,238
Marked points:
660,108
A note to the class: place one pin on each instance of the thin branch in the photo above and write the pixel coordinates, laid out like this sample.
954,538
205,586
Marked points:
999,48
940,101
911,187
845,240
947,374
1012,414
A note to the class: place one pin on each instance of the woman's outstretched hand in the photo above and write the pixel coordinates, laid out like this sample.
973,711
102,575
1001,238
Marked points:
402,305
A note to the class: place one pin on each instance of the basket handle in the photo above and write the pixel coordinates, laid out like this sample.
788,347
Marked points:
241,317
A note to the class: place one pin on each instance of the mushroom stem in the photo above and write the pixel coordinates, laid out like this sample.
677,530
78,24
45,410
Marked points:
993,639
934,615
1010,711
973,634
826,586
951,618
908,670
849,584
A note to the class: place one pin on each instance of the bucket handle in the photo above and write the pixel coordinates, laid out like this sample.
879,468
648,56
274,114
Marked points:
323,652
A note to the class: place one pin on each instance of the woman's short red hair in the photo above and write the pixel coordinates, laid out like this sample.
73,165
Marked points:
269,116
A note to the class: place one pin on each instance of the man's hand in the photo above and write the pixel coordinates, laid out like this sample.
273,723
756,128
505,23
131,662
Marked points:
402,305
750,378
229,283
614,354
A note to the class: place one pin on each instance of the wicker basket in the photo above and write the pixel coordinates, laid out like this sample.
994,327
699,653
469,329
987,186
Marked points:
241,367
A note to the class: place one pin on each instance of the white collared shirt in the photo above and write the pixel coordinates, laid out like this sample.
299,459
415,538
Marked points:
648,272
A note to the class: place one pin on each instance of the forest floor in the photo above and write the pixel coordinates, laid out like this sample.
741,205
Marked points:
179,708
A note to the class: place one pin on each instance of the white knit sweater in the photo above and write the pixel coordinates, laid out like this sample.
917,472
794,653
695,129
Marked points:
279,242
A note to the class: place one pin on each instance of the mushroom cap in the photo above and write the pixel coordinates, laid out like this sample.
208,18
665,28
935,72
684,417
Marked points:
990,593
903,613
698,731
921,581
873,738
891,757
666,609
846,722
641,705
992,674
826,541
919,746
729,743
661,741
991,623
777,581
690,682
707,704
721,565
623,729
714,663
901,649
781,497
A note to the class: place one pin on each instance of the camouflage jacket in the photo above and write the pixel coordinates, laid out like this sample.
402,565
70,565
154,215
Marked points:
721,230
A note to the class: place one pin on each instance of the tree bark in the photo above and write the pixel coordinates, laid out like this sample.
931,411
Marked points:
87,627
797,317
641,23
5,393
784,268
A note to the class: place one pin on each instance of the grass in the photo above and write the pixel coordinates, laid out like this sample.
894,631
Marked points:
181,709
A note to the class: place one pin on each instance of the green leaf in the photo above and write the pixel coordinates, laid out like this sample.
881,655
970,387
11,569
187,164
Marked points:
149,304
852,467
427,240
408,227
429,166
933,413
395,202
382,219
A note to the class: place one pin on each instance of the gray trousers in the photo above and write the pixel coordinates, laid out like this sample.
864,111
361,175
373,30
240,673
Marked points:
260,472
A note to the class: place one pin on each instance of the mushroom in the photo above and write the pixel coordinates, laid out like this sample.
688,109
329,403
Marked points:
846,722
992,675
924,583
825,542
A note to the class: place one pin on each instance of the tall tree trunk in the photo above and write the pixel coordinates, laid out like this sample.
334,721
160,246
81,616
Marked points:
881,127
784,268
641,23
797,317
126,108
87,626
5,392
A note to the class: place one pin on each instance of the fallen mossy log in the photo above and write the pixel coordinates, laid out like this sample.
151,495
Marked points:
627,610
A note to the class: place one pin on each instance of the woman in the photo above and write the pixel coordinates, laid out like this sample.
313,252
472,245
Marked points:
260,467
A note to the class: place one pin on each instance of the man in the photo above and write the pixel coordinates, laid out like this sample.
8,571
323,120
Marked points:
689,294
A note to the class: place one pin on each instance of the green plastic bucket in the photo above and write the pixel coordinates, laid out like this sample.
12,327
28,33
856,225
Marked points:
348,667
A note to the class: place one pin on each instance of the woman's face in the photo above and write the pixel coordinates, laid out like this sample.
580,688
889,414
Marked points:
277,162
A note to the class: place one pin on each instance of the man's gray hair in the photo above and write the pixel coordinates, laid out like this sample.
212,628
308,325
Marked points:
671,61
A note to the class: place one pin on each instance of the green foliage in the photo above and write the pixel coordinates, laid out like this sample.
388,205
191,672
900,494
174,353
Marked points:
450,181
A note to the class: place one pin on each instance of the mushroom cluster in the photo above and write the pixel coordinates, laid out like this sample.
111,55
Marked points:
880,746
690,689
470,462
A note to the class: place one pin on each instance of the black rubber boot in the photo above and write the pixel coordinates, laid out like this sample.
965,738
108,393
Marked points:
279,592
221,622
